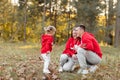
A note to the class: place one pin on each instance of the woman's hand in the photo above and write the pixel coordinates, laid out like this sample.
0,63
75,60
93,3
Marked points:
74,57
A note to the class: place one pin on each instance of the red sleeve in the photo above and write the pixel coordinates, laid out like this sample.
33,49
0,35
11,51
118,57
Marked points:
72,52
68,47
88,44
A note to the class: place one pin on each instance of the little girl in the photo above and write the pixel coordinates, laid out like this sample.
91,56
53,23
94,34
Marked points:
47,42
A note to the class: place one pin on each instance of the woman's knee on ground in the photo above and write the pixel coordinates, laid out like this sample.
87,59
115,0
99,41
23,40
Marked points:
63,57
67,68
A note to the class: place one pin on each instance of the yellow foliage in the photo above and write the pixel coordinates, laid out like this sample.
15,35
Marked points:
58,35
101,20
101,31
28,30
102,43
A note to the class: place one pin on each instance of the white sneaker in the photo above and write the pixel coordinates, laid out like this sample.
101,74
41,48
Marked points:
83,71
46,71
93,68
79,71
73,68
60,69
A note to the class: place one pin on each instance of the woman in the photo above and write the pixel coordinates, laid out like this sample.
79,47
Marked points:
67,57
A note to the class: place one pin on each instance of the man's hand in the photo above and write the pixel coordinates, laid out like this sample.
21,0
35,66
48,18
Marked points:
76,47
83,46
74,57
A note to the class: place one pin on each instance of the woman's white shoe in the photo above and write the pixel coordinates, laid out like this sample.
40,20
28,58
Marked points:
46,71
83,71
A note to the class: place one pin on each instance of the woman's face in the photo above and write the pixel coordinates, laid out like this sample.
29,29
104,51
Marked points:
78,31
74,34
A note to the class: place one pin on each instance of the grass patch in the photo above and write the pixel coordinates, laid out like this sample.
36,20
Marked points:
17,58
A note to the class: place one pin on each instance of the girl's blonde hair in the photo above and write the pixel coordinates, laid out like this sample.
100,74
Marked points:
50,29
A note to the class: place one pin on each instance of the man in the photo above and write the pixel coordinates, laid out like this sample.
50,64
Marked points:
88,52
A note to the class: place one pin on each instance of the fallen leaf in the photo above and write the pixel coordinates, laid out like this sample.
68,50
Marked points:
48,76
54,76
2,68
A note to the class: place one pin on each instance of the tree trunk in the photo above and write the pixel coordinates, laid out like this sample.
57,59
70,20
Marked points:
50,11
110,13
106,13
25,21
55,14
109,23
43,17
69,11
117,28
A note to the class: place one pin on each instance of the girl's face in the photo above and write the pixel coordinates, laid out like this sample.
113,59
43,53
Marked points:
52,33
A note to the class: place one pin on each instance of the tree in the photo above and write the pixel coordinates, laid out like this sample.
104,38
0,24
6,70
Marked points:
110,23
117,28
110,13
26,21
6,19
87,11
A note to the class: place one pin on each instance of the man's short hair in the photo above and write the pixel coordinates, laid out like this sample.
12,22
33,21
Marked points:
81,26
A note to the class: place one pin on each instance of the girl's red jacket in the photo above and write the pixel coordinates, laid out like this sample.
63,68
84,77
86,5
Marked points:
69,49
46,42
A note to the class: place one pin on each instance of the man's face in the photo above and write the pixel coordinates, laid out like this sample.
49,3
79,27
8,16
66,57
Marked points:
78,31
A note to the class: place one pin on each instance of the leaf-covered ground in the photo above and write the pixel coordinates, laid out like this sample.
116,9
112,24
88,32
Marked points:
19,61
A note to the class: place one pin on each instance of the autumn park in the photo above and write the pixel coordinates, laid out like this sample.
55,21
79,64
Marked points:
23,22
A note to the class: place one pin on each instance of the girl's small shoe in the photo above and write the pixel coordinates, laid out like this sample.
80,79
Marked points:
60,69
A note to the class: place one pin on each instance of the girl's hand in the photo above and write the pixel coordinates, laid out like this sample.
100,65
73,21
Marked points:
48,52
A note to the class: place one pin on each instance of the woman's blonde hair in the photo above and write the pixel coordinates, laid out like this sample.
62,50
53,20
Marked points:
49,29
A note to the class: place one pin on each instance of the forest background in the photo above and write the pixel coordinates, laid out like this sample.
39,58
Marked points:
23,20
